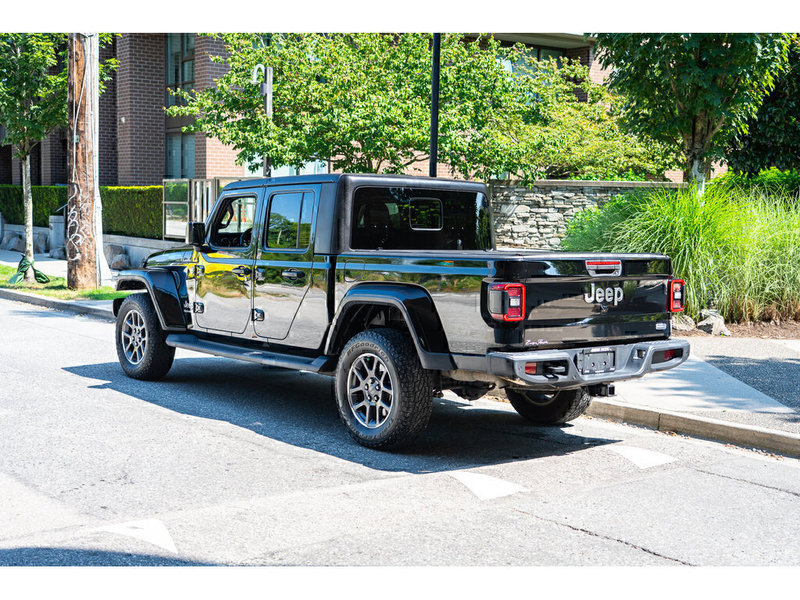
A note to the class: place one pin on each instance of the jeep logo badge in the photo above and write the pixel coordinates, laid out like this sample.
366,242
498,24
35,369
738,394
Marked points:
603,295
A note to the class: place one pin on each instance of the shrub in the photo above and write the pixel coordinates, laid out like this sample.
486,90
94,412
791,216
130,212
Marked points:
46,201
769,180
134,211
738,251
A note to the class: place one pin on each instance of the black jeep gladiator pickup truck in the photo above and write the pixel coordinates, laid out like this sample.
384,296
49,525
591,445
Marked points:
393,285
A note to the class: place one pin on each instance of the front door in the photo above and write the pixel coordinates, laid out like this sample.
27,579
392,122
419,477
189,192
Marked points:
223,292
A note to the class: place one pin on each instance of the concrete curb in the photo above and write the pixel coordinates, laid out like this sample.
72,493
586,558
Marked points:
65,305
696,426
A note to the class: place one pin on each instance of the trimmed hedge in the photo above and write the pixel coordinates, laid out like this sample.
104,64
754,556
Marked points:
134,211
46,200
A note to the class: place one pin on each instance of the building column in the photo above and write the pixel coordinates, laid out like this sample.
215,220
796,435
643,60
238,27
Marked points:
5,164
16,169
140,95
54,158
212,157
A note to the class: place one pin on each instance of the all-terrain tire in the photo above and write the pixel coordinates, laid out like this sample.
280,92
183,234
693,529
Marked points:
141,349
383,394
554,408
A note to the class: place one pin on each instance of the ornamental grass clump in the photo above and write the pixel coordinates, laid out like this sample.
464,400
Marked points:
736,248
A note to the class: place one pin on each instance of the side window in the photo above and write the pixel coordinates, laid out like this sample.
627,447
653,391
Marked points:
289,220
233,225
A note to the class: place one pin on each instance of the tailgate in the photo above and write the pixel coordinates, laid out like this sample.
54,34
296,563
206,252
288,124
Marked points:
591,299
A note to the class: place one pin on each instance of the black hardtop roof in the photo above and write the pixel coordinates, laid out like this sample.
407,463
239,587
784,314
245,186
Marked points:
359,178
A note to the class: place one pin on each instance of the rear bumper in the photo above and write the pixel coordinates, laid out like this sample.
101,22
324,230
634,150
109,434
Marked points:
630,361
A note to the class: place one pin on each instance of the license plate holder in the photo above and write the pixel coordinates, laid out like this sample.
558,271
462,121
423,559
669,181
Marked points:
600,360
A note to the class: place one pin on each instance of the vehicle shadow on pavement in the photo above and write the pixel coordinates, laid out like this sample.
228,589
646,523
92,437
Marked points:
298,408
54,557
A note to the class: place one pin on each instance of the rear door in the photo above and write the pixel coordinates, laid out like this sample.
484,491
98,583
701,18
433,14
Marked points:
284,267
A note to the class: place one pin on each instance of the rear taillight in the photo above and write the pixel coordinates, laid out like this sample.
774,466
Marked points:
675,298
507,301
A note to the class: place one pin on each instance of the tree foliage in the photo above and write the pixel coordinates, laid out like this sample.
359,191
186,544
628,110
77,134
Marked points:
33,87
33,100
693,90
773,134
585,138
362,101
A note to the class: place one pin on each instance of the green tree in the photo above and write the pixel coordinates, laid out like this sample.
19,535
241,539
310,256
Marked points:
363,102
582,135
773,134
694,90
33,101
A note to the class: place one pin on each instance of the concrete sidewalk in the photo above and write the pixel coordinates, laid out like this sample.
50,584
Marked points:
712,396
739,391
51,267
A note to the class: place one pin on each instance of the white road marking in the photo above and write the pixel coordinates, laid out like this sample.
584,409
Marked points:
644,459
486,487
152,531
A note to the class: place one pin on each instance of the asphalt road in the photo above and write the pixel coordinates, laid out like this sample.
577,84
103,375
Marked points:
226,463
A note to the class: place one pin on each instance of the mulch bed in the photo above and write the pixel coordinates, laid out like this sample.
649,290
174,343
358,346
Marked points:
777,330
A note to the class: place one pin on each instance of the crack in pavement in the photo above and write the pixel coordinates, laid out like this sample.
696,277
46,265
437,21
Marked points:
606,537
761,485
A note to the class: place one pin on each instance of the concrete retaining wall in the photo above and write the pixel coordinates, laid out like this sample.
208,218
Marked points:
138,249
537,216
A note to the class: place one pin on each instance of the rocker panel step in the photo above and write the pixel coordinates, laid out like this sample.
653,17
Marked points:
262,357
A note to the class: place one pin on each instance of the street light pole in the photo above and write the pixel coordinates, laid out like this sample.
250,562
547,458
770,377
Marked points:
266,91
437,41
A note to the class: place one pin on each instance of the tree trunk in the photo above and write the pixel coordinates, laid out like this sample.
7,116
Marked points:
699,176
27,198
81,251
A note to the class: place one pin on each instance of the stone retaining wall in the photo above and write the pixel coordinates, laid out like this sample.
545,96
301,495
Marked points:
537,216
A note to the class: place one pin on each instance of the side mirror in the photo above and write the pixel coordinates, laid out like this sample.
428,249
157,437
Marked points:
196,234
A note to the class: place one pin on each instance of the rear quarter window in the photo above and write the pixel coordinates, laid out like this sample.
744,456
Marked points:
419,219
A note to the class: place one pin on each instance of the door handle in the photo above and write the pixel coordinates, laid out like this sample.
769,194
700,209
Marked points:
241,271
292,274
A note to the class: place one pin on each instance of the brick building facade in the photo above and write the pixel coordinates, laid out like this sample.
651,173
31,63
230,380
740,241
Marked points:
135,133
140,145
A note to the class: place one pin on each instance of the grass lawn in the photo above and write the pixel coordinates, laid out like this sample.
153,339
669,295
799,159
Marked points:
57,288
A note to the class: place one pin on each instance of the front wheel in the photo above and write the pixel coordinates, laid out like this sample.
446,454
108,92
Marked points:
383,394
141,349
549,408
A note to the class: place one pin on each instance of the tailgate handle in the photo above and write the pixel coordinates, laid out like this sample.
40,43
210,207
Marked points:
604,268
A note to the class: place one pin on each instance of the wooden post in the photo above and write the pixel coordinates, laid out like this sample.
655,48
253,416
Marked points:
80,241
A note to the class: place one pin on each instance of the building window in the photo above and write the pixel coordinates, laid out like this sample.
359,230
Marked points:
536,53
180,156
180,64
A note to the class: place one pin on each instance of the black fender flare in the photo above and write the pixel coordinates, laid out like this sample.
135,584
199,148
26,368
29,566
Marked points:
167,289
417,308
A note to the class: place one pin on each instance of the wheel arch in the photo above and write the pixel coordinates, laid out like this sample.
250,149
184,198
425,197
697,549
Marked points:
167,290
410,303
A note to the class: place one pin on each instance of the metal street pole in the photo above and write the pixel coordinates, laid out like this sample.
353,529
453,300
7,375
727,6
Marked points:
266,91
437,37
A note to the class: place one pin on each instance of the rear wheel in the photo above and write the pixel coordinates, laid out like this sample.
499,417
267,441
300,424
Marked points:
383,394
141,349
549,408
